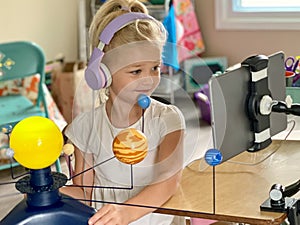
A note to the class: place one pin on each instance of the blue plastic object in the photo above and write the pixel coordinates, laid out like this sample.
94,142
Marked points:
64,211
170,53
144,101
213,157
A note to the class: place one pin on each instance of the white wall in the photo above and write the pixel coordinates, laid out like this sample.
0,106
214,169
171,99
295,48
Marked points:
239,44
52,24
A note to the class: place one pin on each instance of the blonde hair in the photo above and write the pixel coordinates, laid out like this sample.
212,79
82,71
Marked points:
138,30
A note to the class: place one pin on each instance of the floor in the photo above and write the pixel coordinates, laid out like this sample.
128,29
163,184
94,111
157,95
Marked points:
198,139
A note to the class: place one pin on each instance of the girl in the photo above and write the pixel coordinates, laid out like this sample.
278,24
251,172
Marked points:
133,58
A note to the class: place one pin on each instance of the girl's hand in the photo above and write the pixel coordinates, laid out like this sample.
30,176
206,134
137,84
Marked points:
111,214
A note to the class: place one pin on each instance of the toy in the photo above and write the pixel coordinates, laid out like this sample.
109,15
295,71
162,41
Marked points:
36,143
36,148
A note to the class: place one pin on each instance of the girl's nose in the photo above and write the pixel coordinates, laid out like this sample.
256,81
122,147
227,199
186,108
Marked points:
147,79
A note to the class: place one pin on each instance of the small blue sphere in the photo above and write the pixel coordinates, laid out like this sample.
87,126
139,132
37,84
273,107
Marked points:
213,157
7,129
144,101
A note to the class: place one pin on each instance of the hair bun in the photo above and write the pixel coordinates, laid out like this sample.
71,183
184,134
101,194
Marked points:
136,9
133,8
125,8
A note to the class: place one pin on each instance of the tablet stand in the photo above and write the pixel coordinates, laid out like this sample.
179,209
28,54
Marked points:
259,107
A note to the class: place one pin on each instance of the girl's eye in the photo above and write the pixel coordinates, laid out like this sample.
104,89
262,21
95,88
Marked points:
155,68
136,72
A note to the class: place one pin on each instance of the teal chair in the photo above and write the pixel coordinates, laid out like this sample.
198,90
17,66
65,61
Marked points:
19,60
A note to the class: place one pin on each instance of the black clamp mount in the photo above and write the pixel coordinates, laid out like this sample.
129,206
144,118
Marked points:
280,201
258,92
260,103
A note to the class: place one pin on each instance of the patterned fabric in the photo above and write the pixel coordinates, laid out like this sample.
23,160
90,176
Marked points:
188,31
27,86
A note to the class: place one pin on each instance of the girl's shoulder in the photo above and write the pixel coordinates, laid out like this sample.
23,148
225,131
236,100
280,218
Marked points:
160,109
161,106
167,116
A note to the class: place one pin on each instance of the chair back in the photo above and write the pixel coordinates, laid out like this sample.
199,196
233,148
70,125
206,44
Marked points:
22,59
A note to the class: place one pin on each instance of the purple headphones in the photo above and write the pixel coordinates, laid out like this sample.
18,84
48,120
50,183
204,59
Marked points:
97,75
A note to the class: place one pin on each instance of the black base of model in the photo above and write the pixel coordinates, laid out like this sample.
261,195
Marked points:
44,204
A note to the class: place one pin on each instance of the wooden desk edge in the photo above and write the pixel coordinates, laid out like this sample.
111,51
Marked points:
178,212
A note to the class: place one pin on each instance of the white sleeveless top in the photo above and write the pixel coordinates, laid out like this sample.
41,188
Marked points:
92,132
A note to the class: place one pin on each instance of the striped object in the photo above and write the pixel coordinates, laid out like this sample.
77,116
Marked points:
130,146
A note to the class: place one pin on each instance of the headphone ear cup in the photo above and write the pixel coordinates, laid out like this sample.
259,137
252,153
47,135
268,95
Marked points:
106,73
94,77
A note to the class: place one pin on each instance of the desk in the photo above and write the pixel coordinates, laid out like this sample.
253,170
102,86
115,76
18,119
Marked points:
239,189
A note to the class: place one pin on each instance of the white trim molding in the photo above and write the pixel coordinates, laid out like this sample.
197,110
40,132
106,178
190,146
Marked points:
227,19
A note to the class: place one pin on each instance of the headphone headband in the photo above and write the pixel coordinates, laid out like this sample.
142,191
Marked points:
95,76
118,23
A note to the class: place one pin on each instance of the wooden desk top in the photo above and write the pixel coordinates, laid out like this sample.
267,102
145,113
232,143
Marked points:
239,189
